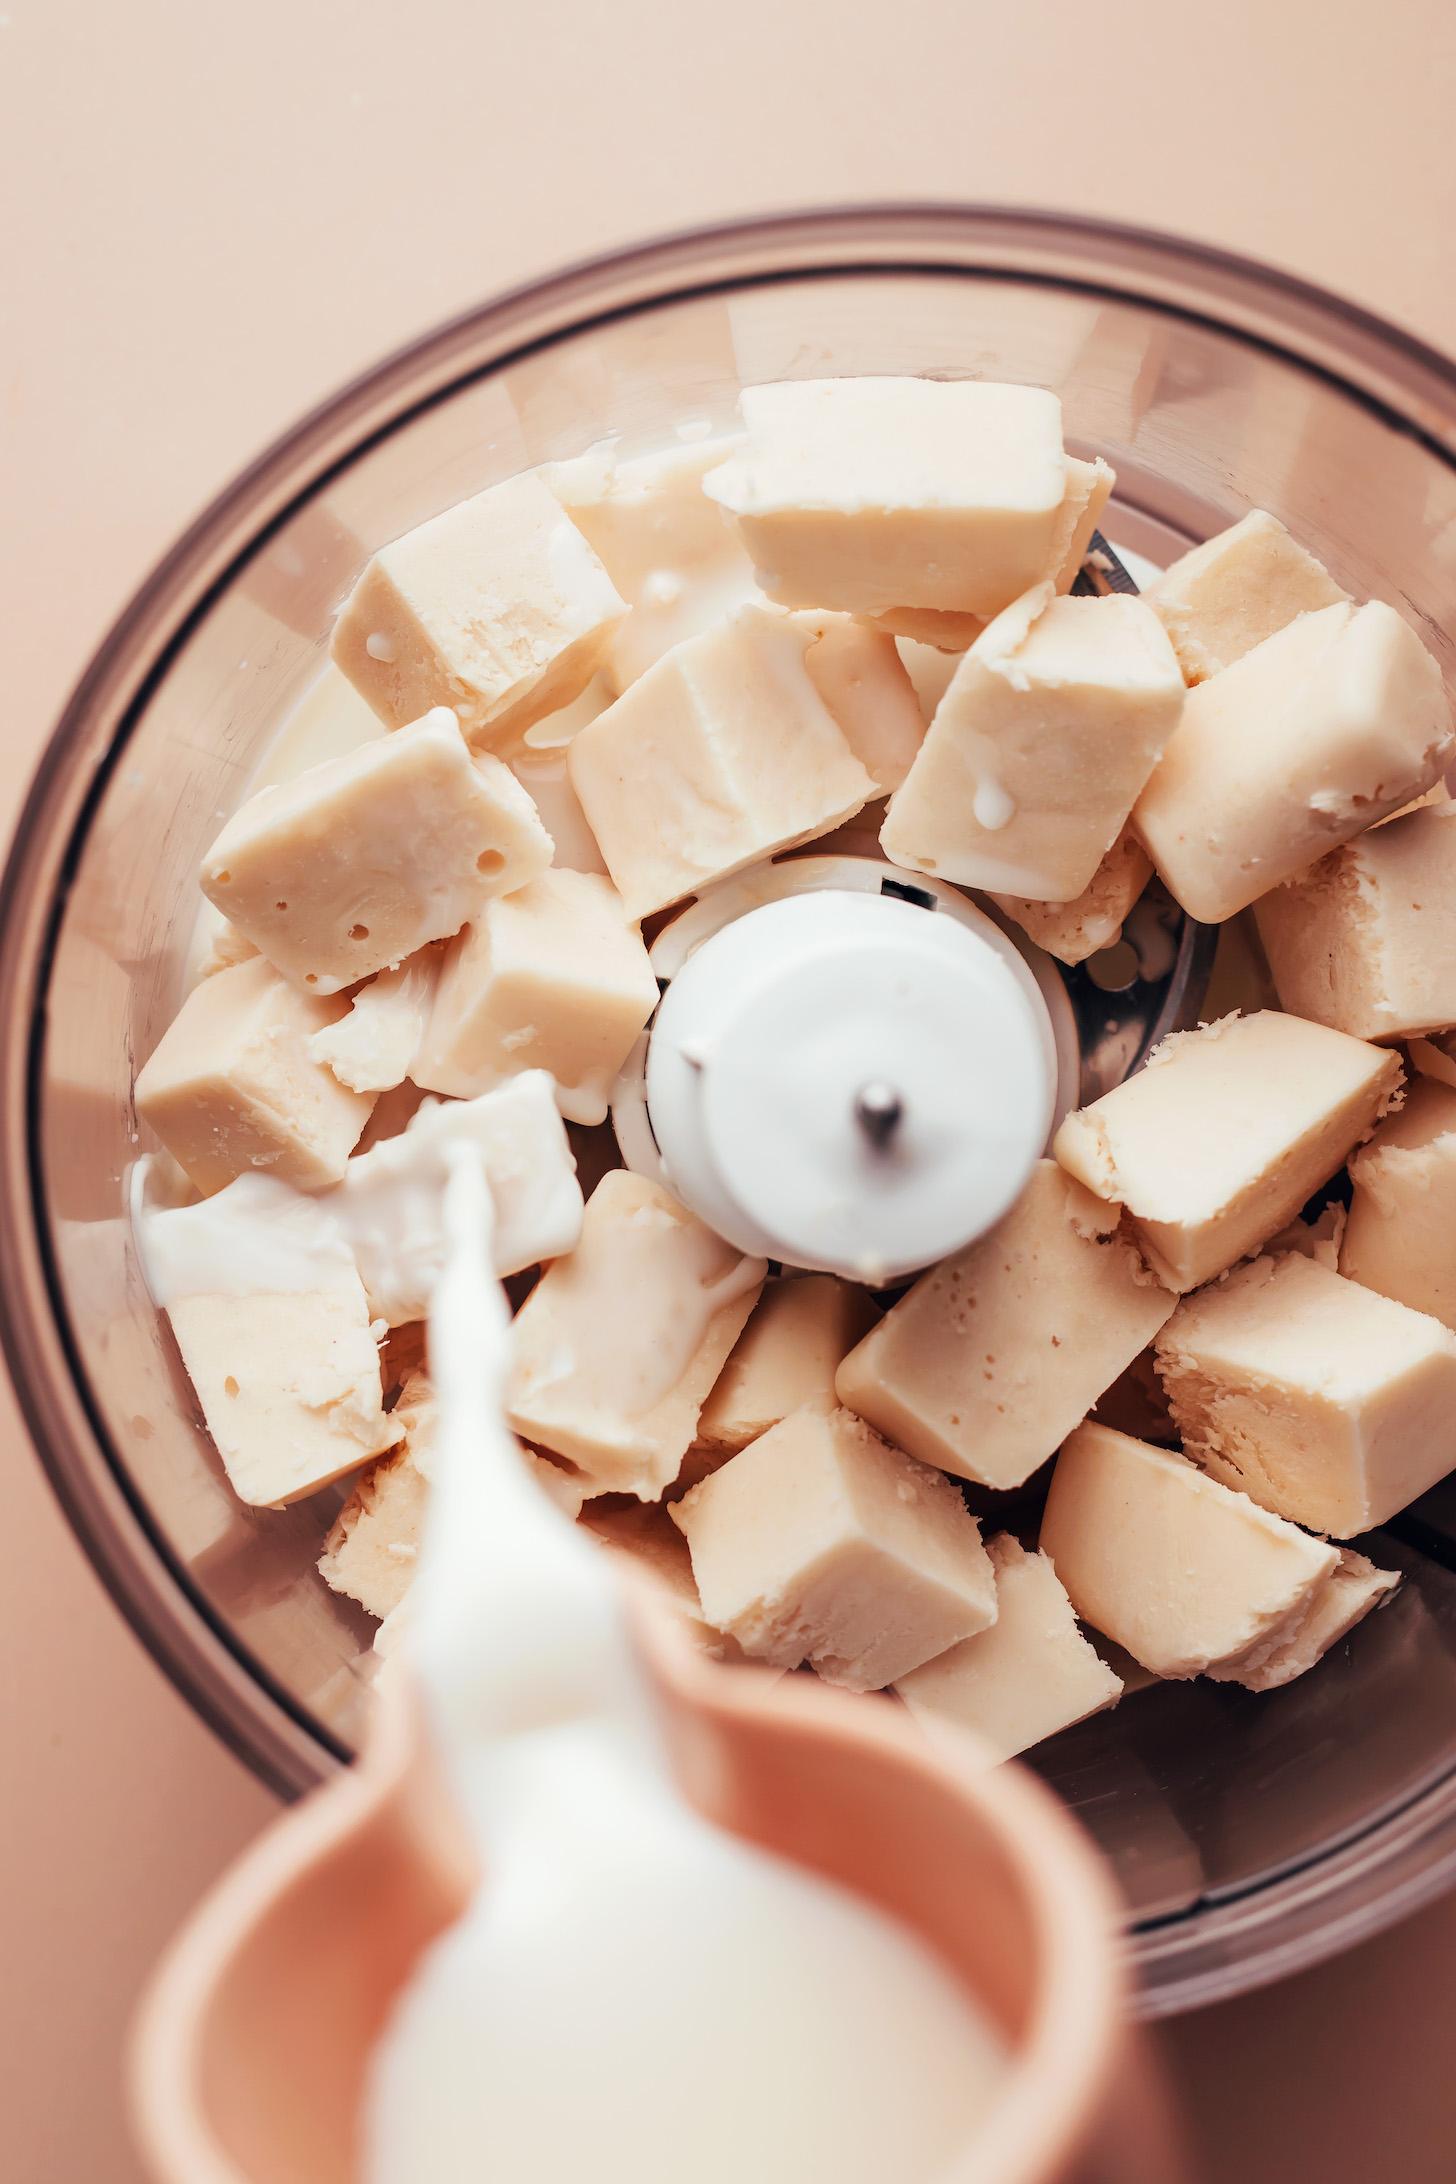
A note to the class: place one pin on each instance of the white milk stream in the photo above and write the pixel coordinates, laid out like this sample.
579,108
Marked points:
634,1996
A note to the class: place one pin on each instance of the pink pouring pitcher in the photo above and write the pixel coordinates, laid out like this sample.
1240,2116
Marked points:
254,2040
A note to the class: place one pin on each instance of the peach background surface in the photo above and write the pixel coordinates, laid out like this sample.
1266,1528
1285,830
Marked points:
213,215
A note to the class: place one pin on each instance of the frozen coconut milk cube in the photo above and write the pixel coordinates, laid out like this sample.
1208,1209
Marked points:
819,1542
1037,752
289,1386
1072,931
391,1202
1319,1399
1400,1235
719,755
859,674
1088,489
552,977
1087,492
1229,594
1221,1138
620,1341
373,1048
785,1357
363,860
1031,1674
498,608
1189,1577
271,1319
989,1360
1307,740
232,1085
1366,939
673,554
374,1542
373,1546
1346,1597
870,494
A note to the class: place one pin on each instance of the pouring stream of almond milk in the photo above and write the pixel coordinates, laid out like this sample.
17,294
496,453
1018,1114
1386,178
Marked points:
634,1995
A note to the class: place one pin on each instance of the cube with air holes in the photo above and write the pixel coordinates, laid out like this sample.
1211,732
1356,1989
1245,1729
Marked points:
289,1385
496,607
232,1089
360,861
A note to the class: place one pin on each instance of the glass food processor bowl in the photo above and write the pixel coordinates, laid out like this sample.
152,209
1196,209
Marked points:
1250,1834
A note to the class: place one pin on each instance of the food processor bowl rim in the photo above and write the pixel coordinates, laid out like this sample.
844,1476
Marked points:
1370,360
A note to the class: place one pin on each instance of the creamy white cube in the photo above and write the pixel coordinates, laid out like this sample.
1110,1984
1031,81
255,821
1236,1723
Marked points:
1366,939
361,861
289,1386
1318,1398
271,1319
673,554
1238,588
373,1048
544,776
497,608
554,977
989,1360
1218,1141
617,1346
1400,1234
390,1204
1345,1599
1027,1676
787,1356
1040,747
1073,931
875,493
1189,1577
232,1085
821,1543
719,755
1088,488
1319,731
373,1548
859,674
